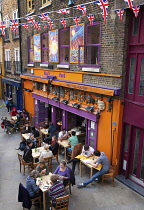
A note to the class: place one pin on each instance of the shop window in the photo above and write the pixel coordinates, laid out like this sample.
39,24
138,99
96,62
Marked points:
14,95
135,26
30,6
15,16
141,84
136,151
64,45
126,138
90,52
44,46
30,50
45,2
131,75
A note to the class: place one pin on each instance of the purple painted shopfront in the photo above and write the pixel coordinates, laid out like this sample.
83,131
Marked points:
132,164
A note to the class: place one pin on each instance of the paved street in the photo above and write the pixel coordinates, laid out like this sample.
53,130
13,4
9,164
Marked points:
90,198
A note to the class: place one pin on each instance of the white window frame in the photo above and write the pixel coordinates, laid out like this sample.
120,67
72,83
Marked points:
17,58
15,14
7,52
47,2
6,19
29,8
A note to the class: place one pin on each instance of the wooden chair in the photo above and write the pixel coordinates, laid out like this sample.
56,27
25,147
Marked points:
62,203
76,151
22,162
68,187
36,200
22,121
38,141
48,160
55,157
110,175
35,165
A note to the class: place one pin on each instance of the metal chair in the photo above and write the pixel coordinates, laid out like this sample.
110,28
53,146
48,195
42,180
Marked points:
61,203
110,175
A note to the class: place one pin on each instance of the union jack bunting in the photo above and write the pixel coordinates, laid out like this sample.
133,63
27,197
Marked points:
25,25
45,26
14,25
50,24
136,10
103,4
82,8
2,28
63,22
120,13
44,16
37,25
63,11
76,20
31,19
91,18
130,3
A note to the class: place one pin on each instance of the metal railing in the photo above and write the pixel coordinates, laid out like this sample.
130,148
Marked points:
17,67
8,66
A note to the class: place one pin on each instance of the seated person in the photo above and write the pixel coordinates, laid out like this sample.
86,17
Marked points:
46,153
63,171
56,190
34,131
42,168
31,186
26,128
46,124
27,156
54,146
87,151
33,139
11,126
59,126
25,113
13,112
63,135
51,131
73,140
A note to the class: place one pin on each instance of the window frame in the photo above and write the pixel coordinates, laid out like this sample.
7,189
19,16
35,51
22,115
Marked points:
15,35
17,60
8,59
7,30
30,9
45,48
29,50
89,45
47,3
64,46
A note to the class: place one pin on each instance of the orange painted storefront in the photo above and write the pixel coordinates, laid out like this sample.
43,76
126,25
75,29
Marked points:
28,99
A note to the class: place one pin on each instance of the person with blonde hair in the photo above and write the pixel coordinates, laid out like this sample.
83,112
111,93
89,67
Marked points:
46,153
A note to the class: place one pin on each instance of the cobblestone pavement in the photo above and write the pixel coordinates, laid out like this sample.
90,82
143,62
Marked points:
92,197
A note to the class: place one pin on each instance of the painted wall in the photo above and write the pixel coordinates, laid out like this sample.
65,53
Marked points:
28,99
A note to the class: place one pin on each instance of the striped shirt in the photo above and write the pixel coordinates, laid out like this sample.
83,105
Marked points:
56,190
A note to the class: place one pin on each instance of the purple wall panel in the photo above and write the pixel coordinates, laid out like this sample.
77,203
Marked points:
54,103
41,98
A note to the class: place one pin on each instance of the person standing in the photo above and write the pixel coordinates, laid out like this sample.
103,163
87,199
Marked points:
10,102
103,160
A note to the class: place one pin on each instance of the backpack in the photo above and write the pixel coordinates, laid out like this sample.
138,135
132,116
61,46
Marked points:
22,145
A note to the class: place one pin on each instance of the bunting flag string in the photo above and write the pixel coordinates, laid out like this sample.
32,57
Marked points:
91,19
44,16
63,11
82,8
120,13
25,25
103,4
130,3
2,28
50,24
14,25
37,25
76,20
31,19
63,22
136,10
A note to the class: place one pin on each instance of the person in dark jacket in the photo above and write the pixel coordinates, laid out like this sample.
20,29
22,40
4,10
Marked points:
31,186
26,128
35,132
27,156
54,146
51,131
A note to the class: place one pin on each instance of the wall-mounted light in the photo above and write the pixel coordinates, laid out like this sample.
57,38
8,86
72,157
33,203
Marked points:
64,102
76,105
55,99
89,108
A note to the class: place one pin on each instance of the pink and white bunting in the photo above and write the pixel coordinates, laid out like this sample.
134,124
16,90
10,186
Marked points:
76,20
50,24
120,13
2,28
103,4
136,10
130,3
63,22
91,19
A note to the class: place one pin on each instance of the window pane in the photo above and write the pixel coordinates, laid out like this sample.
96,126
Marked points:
93,34
92,133
14,95
90,55
65,37
31,44
45,41
45,55
135,26
142,165
137,139
126,138
64,56
92,143
141,85
44,1
31,56
131,75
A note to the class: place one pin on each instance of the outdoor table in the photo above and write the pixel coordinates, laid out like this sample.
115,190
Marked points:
44,189
25,136
64,143
44,131
36,152
83,161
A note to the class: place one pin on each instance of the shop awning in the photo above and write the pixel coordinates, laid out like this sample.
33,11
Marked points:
37,78
11,82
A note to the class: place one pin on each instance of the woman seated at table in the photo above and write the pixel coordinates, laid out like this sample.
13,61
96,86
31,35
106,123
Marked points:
42,168
33,139
56,190
31,186
63,171
54,146
46,153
